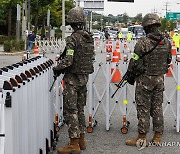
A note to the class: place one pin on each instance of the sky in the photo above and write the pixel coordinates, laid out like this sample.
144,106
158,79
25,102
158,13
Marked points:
141,6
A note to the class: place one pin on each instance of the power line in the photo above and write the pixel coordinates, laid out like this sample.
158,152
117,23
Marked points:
154,10
166,7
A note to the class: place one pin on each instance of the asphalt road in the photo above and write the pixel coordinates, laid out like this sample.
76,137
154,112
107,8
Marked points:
102,141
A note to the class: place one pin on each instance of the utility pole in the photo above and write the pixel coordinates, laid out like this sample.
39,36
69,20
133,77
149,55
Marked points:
166,7
154,10
48,24
18,22
63,19
24,23
29,11
91,21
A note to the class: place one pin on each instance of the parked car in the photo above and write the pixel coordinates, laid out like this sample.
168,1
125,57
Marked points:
96,34
113,34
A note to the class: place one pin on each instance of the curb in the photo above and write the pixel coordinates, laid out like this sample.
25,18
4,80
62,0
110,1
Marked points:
11,54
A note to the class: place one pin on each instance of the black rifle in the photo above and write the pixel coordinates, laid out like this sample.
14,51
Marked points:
121,83
55,77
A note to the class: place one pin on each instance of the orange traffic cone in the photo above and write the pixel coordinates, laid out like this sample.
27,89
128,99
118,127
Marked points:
117,46
117,75
36,50
97,42
116,53
173,49
108,46
125,45
169,73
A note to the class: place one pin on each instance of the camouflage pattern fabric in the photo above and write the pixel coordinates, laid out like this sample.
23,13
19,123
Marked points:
76,78
150,83
74,102
149,99
77,59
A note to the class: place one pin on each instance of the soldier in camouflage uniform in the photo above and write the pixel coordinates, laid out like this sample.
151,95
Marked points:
77,65
150,61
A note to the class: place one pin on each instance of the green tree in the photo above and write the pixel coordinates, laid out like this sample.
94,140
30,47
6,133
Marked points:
39,11
168,25
125,18
56,11
137,18
8,10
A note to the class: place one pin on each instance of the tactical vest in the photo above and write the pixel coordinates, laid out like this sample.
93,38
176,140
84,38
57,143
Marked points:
156,62
83,55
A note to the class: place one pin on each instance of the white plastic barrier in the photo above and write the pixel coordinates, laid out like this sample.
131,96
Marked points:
27,114
50,45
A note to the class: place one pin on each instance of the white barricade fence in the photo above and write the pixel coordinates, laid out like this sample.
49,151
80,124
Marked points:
125,97
28,111
50,45
172,97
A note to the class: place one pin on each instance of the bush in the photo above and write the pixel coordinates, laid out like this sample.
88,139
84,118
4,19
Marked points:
21,44
7,46
13,45
3,38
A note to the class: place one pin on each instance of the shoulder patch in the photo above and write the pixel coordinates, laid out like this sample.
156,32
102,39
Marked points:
70,52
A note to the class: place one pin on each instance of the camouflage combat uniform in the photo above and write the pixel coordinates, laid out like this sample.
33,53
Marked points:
150,83
77,65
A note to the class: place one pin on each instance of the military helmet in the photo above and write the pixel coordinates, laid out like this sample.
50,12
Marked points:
76,15
151,19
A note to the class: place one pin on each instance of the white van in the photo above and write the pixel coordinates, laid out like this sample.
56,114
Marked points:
137,31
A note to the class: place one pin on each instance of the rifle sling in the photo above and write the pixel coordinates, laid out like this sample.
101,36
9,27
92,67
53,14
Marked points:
153,47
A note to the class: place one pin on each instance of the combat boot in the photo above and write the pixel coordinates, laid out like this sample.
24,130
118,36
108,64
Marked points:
82,142
156,138
72,148
133,142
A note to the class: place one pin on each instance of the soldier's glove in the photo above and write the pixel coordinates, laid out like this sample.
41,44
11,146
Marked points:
130,78
56,72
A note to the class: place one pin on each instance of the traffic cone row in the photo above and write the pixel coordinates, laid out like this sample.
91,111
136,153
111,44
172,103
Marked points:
108,46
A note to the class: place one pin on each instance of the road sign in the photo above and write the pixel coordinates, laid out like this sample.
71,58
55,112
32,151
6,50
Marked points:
94,5
173,16
132,1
